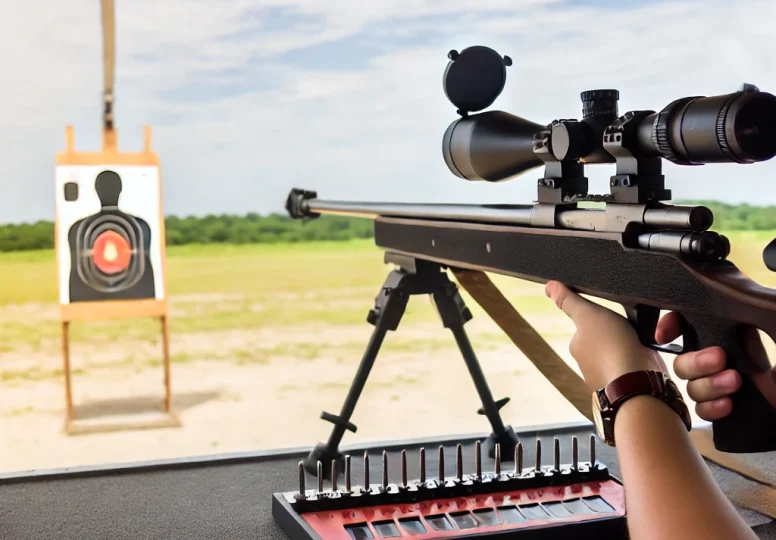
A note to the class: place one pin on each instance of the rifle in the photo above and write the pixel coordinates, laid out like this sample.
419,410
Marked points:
639,251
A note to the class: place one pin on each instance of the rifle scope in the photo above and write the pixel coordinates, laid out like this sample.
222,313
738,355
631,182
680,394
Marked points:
493,146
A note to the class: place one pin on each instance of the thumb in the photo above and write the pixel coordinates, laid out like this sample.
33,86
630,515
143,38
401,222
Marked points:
568,301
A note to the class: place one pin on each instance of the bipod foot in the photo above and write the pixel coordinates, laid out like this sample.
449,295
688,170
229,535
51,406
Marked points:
325,455
507,440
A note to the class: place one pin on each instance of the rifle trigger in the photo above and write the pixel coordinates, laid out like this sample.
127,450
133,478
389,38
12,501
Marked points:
644,320
670,348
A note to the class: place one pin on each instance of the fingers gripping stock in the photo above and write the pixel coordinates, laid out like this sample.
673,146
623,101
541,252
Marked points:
746,429
749,426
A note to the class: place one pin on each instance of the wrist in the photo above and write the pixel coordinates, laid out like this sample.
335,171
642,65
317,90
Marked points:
609,400
645,410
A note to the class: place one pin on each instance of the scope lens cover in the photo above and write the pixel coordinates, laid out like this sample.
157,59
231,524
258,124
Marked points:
475,77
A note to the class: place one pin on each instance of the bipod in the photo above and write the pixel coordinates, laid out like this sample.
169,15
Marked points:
414,277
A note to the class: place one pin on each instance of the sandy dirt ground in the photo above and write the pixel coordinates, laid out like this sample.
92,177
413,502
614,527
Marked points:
251,389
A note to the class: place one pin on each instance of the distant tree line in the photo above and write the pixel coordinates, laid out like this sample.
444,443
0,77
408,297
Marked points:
256,229
274,228
212,229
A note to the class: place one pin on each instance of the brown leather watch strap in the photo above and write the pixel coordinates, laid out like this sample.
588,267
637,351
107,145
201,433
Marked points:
632,384
651,383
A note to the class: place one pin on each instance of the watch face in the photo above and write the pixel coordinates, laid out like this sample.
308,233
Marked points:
597,420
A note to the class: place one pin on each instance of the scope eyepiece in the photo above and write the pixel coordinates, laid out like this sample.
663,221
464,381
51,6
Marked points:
731,128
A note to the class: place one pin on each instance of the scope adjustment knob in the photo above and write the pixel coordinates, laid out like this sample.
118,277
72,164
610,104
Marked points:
599,102
590,95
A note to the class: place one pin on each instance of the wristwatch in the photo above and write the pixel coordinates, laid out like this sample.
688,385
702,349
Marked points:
608,400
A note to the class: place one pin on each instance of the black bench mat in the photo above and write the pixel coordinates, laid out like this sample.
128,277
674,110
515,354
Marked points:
230,496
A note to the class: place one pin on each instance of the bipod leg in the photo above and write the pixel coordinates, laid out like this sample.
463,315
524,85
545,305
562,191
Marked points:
386,315
455,314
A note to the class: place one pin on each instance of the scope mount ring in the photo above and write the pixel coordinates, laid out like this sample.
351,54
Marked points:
474,78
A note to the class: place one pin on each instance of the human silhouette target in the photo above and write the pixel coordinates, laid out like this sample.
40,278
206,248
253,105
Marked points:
110,250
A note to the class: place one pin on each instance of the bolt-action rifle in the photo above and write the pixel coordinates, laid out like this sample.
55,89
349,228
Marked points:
640,251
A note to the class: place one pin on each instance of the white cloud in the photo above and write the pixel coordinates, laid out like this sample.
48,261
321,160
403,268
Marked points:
374,132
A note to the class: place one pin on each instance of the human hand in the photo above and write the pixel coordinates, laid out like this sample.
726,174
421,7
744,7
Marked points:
709,383
605,344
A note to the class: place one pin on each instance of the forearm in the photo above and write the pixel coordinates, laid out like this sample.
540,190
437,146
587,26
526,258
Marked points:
669,490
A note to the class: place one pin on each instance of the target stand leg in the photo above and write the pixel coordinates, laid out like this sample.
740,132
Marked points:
76,426
68,383
166,353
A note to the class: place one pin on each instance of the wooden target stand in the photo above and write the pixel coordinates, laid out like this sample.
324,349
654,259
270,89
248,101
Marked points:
108,309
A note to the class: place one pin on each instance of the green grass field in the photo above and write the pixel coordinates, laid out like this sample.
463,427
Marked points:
221,287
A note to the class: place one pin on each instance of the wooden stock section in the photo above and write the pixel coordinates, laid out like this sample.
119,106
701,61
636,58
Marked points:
760,497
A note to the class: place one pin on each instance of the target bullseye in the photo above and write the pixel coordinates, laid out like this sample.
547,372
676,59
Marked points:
111,252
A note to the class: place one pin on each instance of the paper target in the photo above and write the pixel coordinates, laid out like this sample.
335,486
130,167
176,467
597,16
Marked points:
109,245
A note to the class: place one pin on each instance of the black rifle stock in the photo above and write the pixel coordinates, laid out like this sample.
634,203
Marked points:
716,300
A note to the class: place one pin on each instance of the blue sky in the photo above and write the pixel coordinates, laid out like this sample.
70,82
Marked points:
248,99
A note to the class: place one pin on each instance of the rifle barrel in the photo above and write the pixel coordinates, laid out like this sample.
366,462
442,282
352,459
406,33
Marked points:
505,214
694,218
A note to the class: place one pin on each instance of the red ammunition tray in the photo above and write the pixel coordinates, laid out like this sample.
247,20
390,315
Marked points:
593,508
